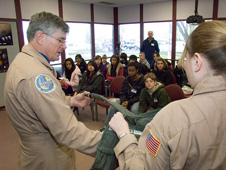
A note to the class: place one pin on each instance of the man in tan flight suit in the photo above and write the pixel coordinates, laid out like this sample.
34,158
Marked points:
37,107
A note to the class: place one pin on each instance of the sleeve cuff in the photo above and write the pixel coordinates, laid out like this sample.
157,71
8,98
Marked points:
124,142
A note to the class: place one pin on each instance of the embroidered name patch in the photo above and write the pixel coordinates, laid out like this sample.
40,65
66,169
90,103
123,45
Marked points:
44,83
152,144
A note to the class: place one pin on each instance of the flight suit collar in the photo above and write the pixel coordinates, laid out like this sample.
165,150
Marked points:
37,55
210,84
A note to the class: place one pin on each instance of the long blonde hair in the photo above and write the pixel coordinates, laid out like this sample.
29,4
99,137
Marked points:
209,39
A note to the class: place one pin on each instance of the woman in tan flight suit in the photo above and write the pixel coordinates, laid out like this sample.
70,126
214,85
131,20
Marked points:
190,133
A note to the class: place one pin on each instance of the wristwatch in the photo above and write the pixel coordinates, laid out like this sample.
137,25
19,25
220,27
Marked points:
123,134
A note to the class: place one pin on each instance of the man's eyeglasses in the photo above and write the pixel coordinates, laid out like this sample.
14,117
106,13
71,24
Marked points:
60,40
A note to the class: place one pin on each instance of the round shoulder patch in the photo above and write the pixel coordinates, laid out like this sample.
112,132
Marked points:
44,83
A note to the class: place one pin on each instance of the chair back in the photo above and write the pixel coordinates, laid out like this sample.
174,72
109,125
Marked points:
170,67
58,75
116,84
104,88
174,91
174,78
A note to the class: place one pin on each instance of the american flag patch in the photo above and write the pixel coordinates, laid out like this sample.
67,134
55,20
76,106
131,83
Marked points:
152,144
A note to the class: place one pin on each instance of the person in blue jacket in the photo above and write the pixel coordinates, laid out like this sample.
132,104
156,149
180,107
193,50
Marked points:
149,47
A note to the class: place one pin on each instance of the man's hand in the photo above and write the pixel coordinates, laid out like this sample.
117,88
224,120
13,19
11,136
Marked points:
80,100
125,104
62,81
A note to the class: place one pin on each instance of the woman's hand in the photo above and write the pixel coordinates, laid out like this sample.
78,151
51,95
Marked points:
118,124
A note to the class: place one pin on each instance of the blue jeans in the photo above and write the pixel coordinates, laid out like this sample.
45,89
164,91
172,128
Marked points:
112,110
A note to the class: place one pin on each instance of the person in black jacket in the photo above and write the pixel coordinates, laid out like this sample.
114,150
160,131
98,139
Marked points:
142,68
91,79
124,62
180,75
100,66
130,91
81,63
162,72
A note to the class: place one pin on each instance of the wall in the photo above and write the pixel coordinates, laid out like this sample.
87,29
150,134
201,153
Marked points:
103,14
186,8
7,9
75,11
154,11
129,14
221,9
28,7
12,51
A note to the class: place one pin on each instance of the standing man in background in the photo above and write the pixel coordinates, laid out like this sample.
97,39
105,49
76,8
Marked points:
149,47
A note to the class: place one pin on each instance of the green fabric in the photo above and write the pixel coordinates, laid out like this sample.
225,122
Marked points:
105,158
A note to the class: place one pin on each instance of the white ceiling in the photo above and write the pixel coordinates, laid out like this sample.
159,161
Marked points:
118,3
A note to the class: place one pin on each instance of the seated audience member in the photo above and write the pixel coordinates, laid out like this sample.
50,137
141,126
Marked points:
162,72
143,60
153,96
130,91
124,62
142,69
180,74
104,60
114,69
155,57
91,80
123,59
70,79
81,63
100,66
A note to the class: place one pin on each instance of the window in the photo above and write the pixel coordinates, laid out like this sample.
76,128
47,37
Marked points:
183,31
79,41
25,26
130,39
103,39
162,34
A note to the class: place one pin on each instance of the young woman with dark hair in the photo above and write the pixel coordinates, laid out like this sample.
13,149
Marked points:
70,79
91,80
101,67
114,69
81,63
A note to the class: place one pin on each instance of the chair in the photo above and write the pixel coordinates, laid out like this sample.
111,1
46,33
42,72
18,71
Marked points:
94,103
170,67
115,88
174,91
174,78
58,75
